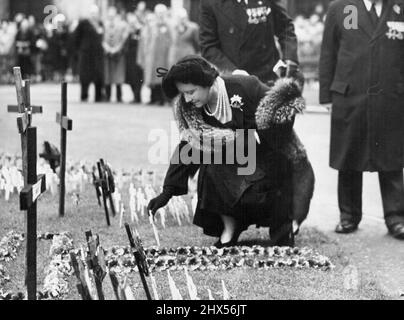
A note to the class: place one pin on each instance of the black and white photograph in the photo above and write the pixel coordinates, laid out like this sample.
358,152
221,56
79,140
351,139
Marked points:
230,152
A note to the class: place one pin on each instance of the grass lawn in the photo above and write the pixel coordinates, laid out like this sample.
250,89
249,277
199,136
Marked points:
242,283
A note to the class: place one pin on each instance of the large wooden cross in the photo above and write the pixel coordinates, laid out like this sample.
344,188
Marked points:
34,185
23,106
66,124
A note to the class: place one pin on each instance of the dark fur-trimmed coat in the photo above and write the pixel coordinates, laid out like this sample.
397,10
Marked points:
265,197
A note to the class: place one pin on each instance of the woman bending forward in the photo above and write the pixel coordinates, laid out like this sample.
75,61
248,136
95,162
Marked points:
252,184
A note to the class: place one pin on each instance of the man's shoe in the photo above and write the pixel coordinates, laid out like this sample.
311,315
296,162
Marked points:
346,227
397,231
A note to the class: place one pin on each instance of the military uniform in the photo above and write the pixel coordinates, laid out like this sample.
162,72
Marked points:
241,35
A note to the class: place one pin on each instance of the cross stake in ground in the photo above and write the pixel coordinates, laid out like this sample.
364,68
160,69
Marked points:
109,184
140,257
96,262
106,183
79,271
34,185
66,124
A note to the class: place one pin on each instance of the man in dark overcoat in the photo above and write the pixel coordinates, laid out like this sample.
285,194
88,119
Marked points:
88,41
362,74
238,36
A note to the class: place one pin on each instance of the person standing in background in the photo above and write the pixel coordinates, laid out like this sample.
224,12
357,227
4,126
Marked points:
25,47
72,53
362,74
141,12
134,72
8,32
88,41
56,55
115,36
39,48
155,47
185,36
240,35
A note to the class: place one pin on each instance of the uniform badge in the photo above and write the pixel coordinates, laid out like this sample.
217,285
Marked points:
396,30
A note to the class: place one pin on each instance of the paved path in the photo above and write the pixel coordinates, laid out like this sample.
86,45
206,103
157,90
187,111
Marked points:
120,133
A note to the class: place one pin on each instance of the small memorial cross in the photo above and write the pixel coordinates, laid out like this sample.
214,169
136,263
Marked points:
96,262
66,124
106,183
140,257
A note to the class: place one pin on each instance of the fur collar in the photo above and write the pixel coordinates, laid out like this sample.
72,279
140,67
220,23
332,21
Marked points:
281,103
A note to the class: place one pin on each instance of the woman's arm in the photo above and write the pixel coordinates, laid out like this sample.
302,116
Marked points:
178,173
176,180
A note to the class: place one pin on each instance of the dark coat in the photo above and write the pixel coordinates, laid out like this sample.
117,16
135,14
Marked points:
263,197
134,72
230,42
25,48
362,74
56,57
91,53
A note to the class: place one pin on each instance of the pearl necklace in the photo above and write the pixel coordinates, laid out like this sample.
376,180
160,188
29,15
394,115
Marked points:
222,112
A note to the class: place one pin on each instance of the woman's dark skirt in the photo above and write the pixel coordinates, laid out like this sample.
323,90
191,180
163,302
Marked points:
266,202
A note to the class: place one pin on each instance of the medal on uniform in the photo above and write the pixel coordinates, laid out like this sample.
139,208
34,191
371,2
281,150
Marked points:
396,30
258,15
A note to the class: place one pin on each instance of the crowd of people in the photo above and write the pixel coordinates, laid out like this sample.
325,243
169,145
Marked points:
145,41
125,47
41,51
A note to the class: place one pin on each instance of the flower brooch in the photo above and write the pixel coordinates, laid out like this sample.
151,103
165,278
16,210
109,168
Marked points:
235,102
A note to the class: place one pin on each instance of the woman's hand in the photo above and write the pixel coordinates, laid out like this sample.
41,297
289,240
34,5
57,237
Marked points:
158,202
